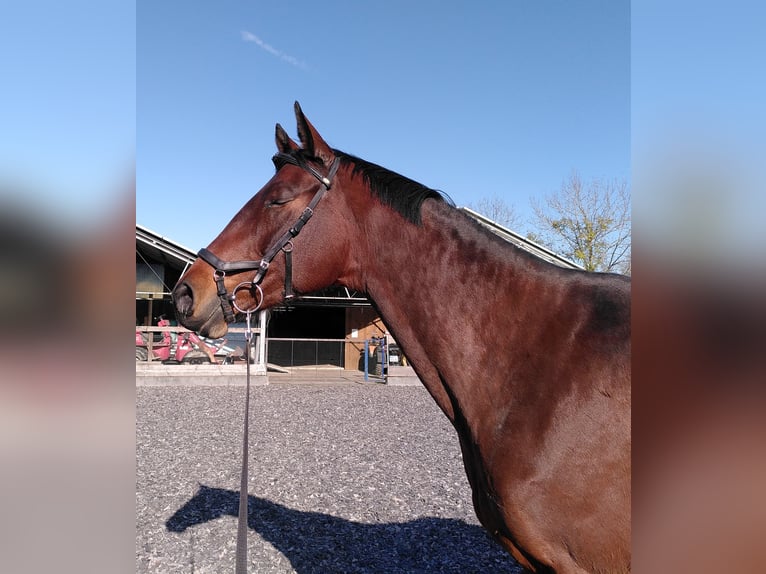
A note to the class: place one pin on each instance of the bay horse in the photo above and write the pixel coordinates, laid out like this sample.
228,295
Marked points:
529,361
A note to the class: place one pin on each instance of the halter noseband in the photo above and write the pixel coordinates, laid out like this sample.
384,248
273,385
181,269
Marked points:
284,244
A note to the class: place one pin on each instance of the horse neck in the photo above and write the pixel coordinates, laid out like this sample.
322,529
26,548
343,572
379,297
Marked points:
445,289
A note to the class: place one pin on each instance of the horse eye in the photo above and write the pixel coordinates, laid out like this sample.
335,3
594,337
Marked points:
279,201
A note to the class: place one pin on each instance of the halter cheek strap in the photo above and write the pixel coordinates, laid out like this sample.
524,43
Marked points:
284,244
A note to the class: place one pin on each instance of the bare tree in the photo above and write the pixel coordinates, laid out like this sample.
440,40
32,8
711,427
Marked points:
496,209
589,223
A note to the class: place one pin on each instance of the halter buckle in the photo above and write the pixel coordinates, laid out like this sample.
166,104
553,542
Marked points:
261,273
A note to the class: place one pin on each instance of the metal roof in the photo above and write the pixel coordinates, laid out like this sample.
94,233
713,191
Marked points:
163,249
520,241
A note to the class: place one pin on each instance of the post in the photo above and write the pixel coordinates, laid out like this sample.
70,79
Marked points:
149,345
262,327
366,359
384,357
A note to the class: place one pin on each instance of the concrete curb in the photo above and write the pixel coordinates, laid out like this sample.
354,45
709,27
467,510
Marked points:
157,374
402,377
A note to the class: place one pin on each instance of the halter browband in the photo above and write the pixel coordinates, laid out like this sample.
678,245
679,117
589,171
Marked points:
284,243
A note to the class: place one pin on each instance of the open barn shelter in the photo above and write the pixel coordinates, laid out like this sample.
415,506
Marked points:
338,314
159,264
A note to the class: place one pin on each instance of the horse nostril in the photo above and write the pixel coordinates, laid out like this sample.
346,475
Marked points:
183,298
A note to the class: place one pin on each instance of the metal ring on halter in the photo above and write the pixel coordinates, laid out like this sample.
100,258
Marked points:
288,247
249,285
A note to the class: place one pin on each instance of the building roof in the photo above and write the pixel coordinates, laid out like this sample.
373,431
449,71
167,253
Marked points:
521,241
161,248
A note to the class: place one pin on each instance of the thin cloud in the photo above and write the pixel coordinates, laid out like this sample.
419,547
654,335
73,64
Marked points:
250,37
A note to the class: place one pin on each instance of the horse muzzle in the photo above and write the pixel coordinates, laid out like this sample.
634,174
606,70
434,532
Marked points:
202,316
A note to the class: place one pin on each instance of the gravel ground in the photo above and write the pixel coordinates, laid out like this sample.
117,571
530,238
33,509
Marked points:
343,478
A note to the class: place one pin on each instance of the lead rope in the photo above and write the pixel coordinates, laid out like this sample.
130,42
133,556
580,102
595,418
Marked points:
241,563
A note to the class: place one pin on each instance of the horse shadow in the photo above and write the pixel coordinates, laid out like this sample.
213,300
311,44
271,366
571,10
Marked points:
314,542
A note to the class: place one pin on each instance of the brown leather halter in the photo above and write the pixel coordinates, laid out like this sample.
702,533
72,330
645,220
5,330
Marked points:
284,244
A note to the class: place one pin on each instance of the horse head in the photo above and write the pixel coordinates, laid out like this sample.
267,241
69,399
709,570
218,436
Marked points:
264,254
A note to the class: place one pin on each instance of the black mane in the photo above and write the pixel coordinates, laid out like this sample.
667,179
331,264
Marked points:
396,191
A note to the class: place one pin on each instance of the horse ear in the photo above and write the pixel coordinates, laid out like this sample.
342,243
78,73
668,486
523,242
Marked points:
284,143
313,144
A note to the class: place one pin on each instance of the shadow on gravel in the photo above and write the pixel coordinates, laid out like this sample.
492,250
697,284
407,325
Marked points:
316,542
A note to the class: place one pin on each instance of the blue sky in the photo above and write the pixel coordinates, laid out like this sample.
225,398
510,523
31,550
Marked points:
476,99
491,98
67,119
697,127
